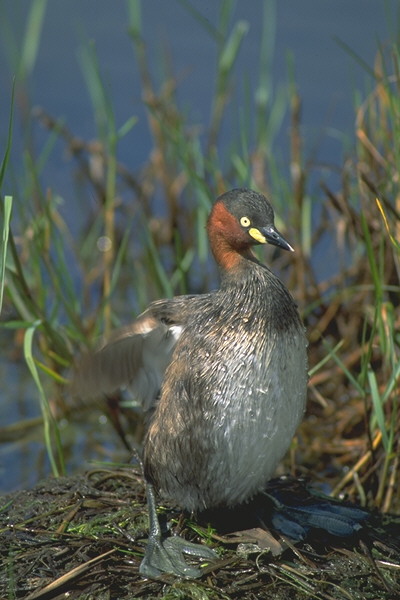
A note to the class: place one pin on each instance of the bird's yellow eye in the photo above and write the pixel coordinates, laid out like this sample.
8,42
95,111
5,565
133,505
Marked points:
245,221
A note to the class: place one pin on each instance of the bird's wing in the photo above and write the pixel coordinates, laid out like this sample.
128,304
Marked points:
135,356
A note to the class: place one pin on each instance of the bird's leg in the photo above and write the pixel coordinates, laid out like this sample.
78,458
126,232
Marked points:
166,556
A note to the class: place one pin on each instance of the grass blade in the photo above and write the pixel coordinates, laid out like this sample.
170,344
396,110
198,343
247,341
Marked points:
378,409
49,422
4,243
32,37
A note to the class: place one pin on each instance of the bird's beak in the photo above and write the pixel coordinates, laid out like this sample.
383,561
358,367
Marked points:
270,235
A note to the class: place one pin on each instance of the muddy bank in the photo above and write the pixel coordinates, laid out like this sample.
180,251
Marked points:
84,537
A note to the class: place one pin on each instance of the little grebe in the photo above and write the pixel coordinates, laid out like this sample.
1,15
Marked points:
225,374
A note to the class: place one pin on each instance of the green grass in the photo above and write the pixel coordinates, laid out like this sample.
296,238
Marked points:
64,292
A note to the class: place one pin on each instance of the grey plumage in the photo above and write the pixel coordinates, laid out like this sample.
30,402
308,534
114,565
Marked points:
223,375
235,396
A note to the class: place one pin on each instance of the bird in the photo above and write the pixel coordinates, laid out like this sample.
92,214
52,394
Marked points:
221,375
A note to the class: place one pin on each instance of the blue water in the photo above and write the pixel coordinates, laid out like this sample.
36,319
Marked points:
325,73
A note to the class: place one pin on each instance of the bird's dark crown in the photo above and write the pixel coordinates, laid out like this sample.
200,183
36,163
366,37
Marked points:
242,202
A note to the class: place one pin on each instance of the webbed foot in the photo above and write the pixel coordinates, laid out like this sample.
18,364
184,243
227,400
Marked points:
166,556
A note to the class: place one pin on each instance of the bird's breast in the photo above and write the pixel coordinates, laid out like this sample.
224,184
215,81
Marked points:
232,398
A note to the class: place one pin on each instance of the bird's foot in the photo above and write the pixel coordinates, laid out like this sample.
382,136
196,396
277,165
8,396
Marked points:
166,556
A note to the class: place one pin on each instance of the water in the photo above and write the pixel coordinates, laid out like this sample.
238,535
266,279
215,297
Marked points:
325,74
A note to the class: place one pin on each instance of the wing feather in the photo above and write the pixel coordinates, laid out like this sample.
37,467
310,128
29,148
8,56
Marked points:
135,356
